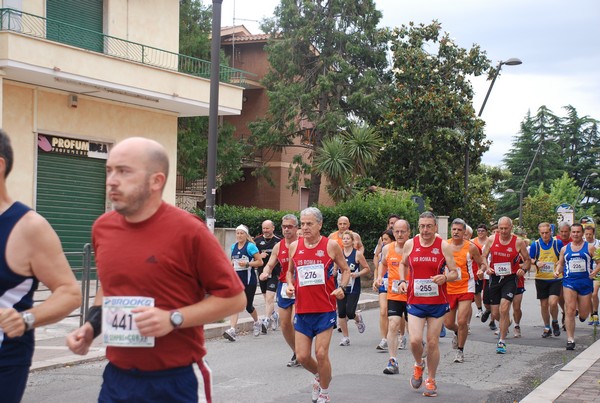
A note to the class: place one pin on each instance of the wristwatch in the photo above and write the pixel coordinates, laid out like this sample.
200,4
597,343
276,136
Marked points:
176,319
28,319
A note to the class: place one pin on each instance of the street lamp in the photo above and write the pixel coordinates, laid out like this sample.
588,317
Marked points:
582,189
513,61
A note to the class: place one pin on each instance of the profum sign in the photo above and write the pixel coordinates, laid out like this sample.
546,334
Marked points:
67,146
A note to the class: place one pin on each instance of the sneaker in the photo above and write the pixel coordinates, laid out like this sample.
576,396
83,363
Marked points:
402,345
293,362
460,356
382,345
443,331
275,321
547,332
570,345
555,329
345,341
392,367
339,330
360,324
517,332
230,335
430,388
257,327
264,325
417,378
493,326
485,315
316,390
323,398
593,320
455,342
479,313
501,348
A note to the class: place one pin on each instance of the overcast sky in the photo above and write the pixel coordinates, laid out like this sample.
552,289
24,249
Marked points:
558,42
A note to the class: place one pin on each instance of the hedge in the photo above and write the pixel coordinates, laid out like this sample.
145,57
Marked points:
367,213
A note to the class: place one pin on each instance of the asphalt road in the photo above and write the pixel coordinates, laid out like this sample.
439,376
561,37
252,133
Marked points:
253,369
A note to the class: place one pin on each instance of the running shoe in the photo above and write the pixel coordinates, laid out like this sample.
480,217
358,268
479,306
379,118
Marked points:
402,345
570,345
339,330
430,388
555,329
455,342
460,356
485,315
517,332
316,390
392,367
275,321
417,378
230,335
360,324
547,332
257,327
443,331
264,325
382,345
479,313
345,341
501,348
324,398
493,326
593,320
293,362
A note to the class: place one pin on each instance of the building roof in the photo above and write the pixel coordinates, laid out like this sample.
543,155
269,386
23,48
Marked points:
239,33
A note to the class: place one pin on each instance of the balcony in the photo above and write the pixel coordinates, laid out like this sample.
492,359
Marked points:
57,55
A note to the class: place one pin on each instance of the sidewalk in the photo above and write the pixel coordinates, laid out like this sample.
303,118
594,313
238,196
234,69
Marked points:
51,351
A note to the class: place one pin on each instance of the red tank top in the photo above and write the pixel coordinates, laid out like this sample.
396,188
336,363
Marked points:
314,281
425,262
504,258
284,260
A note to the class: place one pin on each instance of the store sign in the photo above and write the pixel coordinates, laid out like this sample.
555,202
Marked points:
67,146
565,213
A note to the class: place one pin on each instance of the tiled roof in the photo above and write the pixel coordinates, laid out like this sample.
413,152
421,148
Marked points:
247,38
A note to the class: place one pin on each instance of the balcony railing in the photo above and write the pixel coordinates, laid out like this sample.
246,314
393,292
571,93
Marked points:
57,31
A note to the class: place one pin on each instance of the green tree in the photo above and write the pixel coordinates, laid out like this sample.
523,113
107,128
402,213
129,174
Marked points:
328,61
538,207
192,132
431,121
345,158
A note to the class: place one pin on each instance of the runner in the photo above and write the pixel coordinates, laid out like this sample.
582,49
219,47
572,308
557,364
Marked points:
503,251
382,292
575,263
31,252
479,241
311,265
391,256
544,254
384,239
347,306
343,224
265,243
289,226
425,256
589,234
165,261
245,258
461,292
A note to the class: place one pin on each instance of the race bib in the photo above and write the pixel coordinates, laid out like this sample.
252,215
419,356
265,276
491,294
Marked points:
547,267
395,286
236,263
313,274
425,287
284,293
577,265
502,269
118,324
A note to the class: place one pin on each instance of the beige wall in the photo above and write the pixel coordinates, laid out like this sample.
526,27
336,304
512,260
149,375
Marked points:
150,22
28,110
